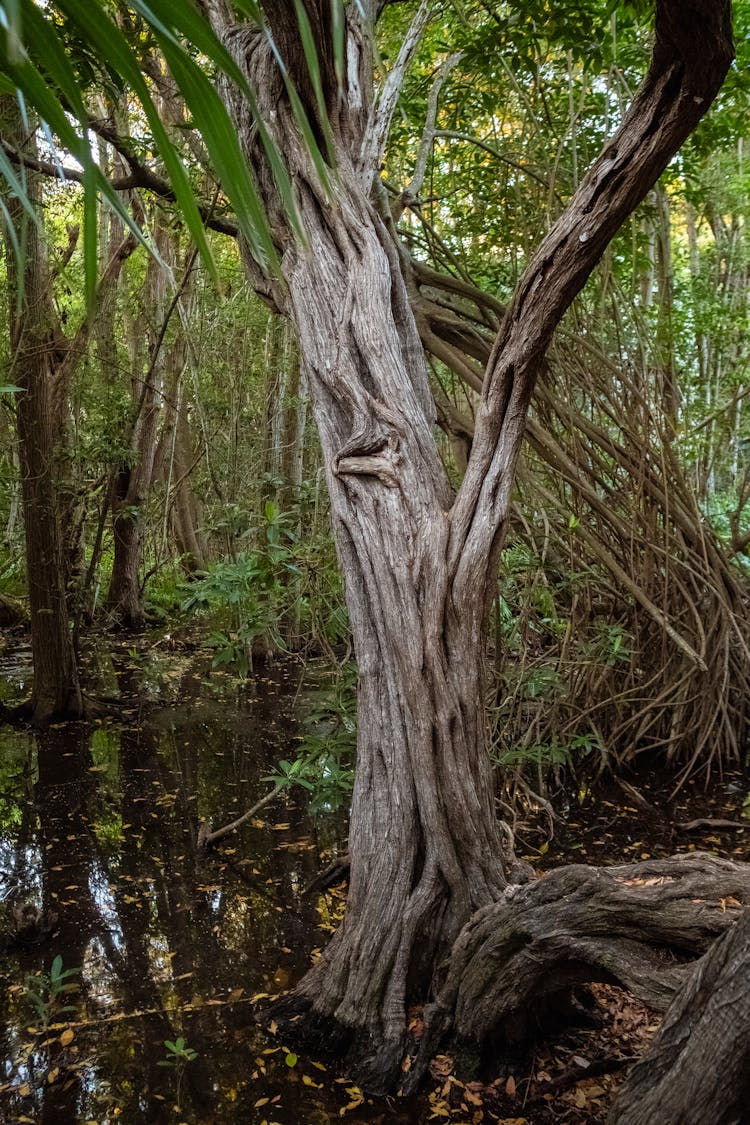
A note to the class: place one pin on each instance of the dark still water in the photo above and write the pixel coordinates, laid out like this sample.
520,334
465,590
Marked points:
136,1003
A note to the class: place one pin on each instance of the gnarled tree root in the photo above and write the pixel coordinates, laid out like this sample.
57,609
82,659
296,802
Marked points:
698,1069
640,926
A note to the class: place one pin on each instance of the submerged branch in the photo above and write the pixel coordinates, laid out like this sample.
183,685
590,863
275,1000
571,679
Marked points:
207,838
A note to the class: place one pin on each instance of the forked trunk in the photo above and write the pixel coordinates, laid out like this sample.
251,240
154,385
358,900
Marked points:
425,846
425,843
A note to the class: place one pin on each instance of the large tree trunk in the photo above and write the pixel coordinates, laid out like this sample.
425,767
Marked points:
425,846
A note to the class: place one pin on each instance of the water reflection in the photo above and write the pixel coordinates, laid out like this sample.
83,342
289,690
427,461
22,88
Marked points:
98,830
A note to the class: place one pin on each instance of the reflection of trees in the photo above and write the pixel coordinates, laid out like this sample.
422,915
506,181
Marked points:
62,794
156,925
152,936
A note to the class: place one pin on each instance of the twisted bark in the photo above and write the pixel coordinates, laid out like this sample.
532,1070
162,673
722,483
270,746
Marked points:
425,845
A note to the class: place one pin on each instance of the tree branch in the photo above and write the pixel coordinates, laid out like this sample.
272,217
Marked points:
690,60
429,134
382,111
141,177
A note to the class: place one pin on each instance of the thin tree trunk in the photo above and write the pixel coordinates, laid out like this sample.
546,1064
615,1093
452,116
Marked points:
35,367
132,480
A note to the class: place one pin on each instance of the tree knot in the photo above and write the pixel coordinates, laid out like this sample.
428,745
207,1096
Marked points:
371,453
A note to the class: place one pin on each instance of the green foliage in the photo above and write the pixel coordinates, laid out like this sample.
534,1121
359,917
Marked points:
41,63
178,1053
165,592
249,591
324,767
249,597
550,756
45,991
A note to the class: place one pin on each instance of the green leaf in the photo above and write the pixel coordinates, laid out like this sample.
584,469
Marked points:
220,137
313,67
162,15
14,24
303,123
106,38
338,27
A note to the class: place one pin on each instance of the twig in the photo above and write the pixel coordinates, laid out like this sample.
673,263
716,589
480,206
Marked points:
206,838
710,822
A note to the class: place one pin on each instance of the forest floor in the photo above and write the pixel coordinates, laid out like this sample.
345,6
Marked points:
574,1077
168,947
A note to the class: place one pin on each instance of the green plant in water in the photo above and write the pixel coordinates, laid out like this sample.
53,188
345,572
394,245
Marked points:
325,764
179,1054
45,991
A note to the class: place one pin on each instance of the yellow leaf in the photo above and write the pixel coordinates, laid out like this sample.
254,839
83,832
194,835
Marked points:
308,1081
261,1101
67,1036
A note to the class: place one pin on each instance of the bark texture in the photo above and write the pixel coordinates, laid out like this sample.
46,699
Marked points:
640,926
426,850
698,1069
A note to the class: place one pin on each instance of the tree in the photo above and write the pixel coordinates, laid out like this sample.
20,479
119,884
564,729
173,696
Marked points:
43,360
418,562
427,854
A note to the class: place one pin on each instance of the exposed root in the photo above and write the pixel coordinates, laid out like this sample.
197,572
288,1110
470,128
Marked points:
698,1068
656,655
639,926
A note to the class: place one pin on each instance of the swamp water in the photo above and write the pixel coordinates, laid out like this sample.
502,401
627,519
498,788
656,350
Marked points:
163,946
138,1006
